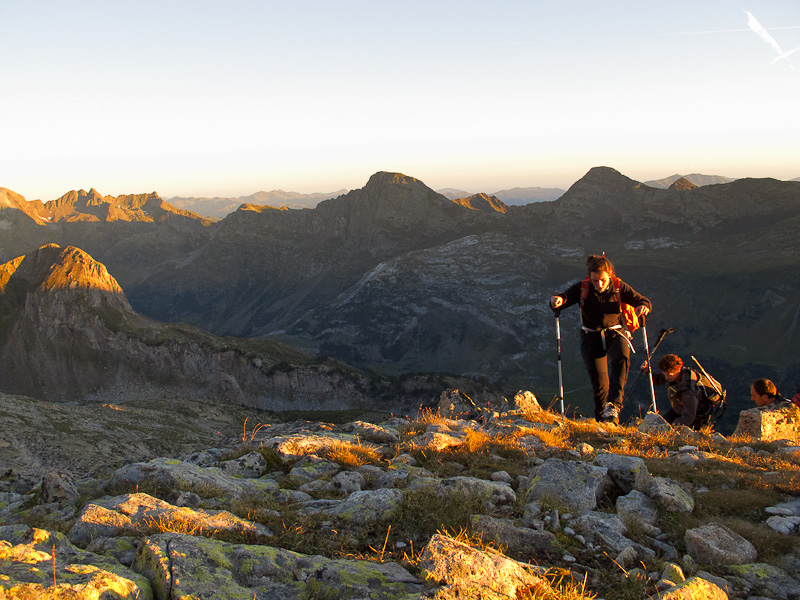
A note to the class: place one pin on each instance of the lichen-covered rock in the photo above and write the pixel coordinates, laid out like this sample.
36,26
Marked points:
380,434
367,506
637,505
532,543
694,588
766,580
59,488
670,495
526,402
627,472
716,544
495,492
140,513
473,573
249,466
208,482
577,484
346,482
770,423
434,440
653,423
26,571
603,528
183,566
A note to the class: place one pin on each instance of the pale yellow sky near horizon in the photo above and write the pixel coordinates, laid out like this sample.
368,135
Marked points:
202,99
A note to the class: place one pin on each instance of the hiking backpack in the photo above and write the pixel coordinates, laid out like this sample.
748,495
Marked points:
712,391
630,320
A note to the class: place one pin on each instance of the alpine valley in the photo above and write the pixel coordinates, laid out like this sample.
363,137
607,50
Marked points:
395,279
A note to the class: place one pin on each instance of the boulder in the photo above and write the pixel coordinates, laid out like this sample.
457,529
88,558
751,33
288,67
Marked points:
58,488
475,573
577,484
628,472
716,544
367,506
533,543
27,565
526,402
139,513
653,423
770,423
765,580
182,566
694,588
669,495
637,505
249,466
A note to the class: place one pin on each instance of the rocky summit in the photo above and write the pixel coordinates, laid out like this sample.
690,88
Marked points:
461,501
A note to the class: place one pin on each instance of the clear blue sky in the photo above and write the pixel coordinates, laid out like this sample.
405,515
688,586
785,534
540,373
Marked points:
229,98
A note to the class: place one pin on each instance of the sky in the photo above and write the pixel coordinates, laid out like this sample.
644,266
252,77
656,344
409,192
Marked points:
197,98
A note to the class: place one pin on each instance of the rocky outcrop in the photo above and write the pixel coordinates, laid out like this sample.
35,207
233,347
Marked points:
770,423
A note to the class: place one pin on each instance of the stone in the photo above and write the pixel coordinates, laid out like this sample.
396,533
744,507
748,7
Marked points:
346,482
59,488
133,514
526,402
26,570
534,544
502,476
577,484
670,495
766,580
204,569
495,492
637,505
603,528
248,466
373,433
473,573
716,544
627,472
455,404
694,588
367,506
653,423
784,525
770,423
672,572
434,440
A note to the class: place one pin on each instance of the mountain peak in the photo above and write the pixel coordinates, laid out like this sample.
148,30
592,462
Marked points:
682,184
387,178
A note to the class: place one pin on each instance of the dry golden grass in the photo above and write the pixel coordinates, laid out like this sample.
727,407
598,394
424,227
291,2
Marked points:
351,455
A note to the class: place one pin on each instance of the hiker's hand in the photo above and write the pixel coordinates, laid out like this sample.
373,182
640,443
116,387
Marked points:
644,366
556,301
642,311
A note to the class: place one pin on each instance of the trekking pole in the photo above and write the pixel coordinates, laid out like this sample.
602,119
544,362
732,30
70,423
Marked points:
560,376
661,335
649,366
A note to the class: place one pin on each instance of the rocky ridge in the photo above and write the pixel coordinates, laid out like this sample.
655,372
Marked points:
67,332
436,506
395,276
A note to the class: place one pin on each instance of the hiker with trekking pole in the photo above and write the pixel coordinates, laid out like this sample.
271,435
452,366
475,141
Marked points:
604,301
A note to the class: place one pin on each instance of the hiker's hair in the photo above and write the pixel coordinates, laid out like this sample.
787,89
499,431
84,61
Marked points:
598,263
670,363
764,387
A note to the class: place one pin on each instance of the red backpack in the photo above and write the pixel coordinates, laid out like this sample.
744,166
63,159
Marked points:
630,319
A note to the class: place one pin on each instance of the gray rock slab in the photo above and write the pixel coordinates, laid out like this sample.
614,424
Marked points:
577,484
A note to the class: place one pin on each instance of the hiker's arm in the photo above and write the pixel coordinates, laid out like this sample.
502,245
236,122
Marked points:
567,298
659,379
635,299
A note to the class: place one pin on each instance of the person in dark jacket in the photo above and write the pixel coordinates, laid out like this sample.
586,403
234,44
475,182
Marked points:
605,343
687,404
764,393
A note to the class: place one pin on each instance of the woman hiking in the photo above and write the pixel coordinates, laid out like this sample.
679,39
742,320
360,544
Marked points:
605,343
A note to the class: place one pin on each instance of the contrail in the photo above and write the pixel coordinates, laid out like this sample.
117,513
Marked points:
759,30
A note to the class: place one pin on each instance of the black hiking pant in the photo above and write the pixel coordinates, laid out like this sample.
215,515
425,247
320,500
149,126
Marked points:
607,367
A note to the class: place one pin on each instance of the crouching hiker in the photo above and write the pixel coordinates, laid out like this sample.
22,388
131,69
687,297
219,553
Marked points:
688,404
605,342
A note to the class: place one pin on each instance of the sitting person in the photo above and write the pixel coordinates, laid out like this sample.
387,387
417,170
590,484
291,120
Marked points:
764,393
688,406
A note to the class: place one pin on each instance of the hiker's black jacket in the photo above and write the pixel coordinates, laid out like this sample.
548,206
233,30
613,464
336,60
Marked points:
602,310
685,397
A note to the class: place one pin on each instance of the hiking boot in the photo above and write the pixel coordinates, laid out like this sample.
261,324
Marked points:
610,413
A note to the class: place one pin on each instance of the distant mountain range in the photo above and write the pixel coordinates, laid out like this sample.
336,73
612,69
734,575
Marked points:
694,178
219,207
397,278
513,197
